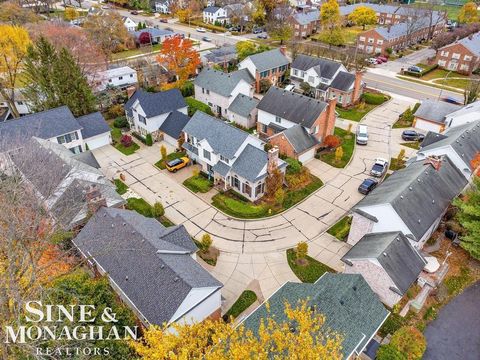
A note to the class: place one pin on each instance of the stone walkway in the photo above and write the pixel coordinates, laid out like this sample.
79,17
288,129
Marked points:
254,250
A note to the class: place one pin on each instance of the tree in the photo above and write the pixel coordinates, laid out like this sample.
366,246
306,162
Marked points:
468,13
258,14
206,242
14,14
145,38
471,91
389,352
330,14
279,196
401,156
338,154
410,342
269,6
363,15
70,14
273,182
332,141
221,341
333,37
158,209
54,79
163,152
469,217
14,42
180,58
265,84
244,49
278,26
302,250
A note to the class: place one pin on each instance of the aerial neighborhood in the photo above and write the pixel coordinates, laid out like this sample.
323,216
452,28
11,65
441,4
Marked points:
224,179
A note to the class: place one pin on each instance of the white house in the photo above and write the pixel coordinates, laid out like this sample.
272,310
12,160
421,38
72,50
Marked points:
162,115
162,6
437,116
129,24
158,278
21,104
213,14
121,77
232,157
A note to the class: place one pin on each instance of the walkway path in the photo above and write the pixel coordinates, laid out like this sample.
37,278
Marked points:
255,250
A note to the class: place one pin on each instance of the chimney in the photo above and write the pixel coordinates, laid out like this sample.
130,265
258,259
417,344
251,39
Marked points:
272,164
330,119
130,91
283,50
357,86
435,161
95,199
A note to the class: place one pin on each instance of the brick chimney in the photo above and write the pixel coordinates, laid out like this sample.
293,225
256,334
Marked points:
130,91
95,199
357,86
272,164
283,50
435,161
331,117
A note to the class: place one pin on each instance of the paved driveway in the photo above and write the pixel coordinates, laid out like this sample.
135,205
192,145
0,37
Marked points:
253,252
455,334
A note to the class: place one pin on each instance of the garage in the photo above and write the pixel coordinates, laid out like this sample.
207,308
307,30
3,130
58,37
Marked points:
98,141
428,125
307,156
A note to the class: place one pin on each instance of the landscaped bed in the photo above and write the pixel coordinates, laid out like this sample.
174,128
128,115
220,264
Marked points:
310,271
126,150
405,120
341,229
247,298
369,102
172,156
347,144
412,145
144,208
198,183
121,187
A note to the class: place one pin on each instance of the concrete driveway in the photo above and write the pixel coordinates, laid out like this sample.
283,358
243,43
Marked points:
253,251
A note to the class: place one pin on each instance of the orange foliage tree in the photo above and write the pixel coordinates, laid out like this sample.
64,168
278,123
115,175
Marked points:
180,58
475,163
332,141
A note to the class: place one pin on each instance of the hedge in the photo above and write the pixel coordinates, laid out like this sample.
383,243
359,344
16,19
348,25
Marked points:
425,71
194,105
187,89
146,140
120,122
208,26
373,99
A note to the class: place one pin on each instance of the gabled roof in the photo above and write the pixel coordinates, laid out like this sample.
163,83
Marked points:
435,110
350,307
150,264
343,81
223,138
393,251
154,104
305,18
432,137
471,42
300,109
93,124
243,105
111,73
251,164
404,28
268,60
174,124
220,82
211,9
300,139
154,32
325,68
224,53
419,194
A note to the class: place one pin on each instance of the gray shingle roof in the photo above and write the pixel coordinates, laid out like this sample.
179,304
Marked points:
431,138
154,32
395,254
88,158
435,110
220,82
343,81
174,124
326,68
291,106
243,105
223,138
136,252
402,29
211,9
224,53
350,307
157,103
419,194
380,8
300,139
221,168
93,124
269,60
250,163
472,43
305,18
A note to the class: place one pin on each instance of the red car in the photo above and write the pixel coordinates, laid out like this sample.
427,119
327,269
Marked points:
382,58
163,20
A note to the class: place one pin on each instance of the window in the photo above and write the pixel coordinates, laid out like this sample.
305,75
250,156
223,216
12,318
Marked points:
20,102
264,128
456,56
203,91
224,159
340,99
206,154
467,58
258,190
131,75
379,42
76,149
278,119
442,62
120,78
295,72
208,92
210,104
264,74
362,38
67,138
314,130
142,119
109,80
371,40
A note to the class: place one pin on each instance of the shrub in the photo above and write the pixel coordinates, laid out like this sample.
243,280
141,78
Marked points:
206,242
267,147
194,105
120,122
126,140
389,352
338,154
158,209
139,137
389,51
187,89
265,84
430,314
373,99
302,250
332,141
149,140
294,166
279,196
163,152
410,342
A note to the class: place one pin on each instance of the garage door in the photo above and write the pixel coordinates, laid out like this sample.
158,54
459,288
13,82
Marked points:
307,156
98,141
426,125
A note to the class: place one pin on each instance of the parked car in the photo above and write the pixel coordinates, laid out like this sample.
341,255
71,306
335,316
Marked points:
383,58
367,185
201,30
412,135
257,31
372,61
452,100
134,12
379,167
415,69
290,87
163,20
177,164
207,39
262,36
362,135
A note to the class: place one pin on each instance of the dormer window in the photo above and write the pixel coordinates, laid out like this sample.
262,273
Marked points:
278,119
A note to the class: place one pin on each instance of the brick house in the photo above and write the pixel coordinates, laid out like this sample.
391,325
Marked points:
269,65
305,23
462,56
297,124
329,79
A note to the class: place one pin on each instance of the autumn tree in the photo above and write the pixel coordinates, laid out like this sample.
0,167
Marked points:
330,19
301,250
269,5
14,14
70,14
258,13
468,13
180,58
206,242
14,42
218,340
338,154
273,182
409,342
247,48
332,141
278,26
471,91
363,15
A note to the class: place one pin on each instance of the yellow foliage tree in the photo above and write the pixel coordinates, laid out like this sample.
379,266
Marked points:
468,13
302,250
218,340
70,14
363,15
338,154
14,42
163,152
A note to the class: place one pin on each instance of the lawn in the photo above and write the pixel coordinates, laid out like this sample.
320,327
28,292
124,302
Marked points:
341,229
141,206
356,113
440,74
405,120
295,196
412,145
247,298
414,80
172,156
116,136
142,51
198,183
310,272
396,165
348,144
452,10
350,34
121,187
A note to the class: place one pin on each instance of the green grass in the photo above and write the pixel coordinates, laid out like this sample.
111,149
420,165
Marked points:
412,145
233,205
395,165
134,52
392,324
355,113
341,229
408,78
121,187
456,83
198,183
140,206
440,74
405,120
116,134
127,150
452,10
247,298
348,144
293,197
308,273
166,221
172,156
455,284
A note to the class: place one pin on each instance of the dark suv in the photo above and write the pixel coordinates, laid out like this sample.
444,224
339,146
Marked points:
367,185
412,135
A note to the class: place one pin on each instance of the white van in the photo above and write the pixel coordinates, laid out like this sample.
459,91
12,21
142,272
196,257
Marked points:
362,134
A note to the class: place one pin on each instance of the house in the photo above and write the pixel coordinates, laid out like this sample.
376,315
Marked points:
460,144
121,77
58,126
162,115
68,185
238,12
219,89
129,24
388,263
158,36
328,79
21,104
297,124
223,56
243,111
232,157
305,23
412,200
269,66
397,37
350,308
466,114
162,6
151,267
462,56
215,15
432,115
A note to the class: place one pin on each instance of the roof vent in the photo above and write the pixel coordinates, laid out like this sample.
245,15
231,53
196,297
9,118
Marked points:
354,287
419,221
401,196
133,232
419,180
342,302
126,278
124,224
433,201
162,266
384,254
398,239
176,279
410,188
105,214
113,225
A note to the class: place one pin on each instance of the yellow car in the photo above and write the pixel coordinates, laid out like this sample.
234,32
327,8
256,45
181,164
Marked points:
177,164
